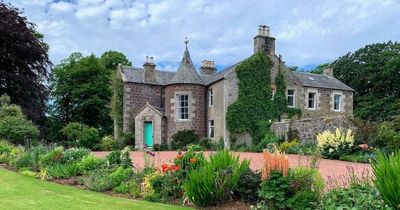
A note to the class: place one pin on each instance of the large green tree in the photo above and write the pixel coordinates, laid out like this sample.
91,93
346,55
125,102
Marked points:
81,92
24,63
374,72
111,59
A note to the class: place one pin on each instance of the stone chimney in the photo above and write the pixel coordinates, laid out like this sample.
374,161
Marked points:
264,40
328,71
149,70
208,68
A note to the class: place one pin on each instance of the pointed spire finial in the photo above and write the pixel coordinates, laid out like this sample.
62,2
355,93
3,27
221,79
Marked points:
186,41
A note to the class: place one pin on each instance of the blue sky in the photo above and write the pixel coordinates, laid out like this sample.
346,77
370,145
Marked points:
307,32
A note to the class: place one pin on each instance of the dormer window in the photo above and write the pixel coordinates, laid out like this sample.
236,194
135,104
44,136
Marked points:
183,107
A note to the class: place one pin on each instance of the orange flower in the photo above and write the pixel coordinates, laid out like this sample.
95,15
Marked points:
274,162
164,167
179,156
173,168
193,160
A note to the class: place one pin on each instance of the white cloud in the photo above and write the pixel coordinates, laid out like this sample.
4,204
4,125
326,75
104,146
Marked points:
306,31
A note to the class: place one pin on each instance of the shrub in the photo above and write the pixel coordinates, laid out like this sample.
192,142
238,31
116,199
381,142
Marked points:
74,155
13,155
120,175
62,170
189,161
274,191
90,163
308,148
335,144
14,127
108,143
387,172
81,135
248,185
118,157
5,149
306,179
388,137
357,196
35,154
216,180
183,138
130,187
304,200
160,147
52,157
114,157
269,140
205,143
162,187
17,129
288,145
98,180
23,160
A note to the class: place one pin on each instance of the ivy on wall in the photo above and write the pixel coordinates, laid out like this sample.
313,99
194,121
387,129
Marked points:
255,109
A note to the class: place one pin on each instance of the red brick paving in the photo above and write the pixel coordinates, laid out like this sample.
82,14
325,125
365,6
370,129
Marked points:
328,168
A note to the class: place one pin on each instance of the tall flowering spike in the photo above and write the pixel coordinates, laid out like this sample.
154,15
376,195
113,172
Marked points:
274,162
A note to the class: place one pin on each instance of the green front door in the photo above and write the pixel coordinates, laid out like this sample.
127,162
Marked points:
148,134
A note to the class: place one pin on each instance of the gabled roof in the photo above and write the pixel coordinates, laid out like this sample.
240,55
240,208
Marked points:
136,75
186,73
320,81
158,110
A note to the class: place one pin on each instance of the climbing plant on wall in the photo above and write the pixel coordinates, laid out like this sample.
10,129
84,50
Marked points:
116,112
255,108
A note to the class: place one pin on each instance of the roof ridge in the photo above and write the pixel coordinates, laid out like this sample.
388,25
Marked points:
186,72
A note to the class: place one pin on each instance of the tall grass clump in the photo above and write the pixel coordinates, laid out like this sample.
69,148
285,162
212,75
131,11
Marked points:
386,168
216,180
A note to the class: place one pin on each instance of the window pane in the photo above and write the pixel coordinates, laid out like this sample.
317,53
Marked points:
311,100
290,92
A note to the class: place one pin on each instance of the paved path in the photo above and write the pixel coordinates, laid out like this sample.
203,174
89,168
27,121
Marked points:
329,168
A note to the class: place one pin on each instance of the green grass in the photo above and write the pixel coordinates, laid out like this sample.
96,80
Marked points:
22,192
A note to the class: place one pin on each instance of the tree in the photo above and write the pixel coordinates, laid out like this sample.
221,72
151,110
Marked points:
14,127
24,63
111,59
320,68
373,71
81,92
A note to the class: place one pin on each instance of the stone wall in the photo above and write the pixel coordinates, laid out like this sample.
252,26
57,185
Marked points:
307,129
135,97
197,110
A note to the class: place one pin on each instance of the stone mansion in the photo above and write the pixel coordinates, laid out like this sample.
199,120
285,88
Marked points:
158,103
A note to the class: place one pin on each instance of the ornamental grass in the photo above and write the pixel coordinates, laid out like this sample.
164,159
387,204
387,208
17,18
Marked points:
274,162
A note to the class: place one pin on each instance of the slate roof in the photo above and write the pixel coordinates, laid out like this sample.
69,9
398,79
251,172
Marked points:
320,81
132,74
186,73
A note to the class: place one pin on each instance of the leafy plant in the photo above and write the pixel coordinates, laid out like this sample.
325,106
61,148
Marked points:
216,180
81,135
62,170
357,196
90,163
52,157
335,144
304,200
286,145
248,185
162,187
130,187
108,143
306,179
120,175
182,138
274,191
387,172
98,180
74,155
308,148
388,137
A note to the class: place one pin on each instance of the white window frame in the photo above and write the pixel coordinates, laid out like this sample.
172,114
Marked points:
294,97
340,101
211,129
210,97
315,99
180,107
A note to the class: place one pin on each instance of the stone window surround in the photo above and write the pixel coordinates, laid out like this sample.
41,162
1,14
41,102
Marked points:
341,109
294,97
191,107
312,90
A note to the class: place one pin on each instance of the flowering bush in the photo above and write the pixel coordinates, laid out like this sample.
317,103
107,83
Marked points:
335,144
274,162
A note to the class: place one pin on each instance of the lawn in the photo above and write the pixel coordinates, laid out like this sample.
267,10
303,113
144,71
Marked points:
22,192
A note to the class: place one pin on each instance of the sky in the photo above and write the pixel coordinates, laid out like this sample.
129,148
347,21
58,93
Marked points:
307,32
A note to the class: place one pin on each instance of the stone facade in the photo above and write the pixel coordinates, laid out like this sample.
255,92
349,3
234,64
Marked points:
150,95
135,97
307,129
149,114
197,112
